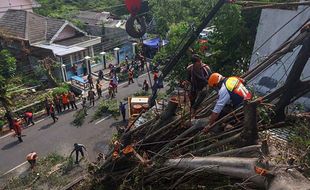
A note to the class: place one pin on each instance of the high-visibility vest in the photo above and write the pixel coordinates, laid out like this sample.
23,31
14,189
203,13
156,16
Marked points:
31,156
237,91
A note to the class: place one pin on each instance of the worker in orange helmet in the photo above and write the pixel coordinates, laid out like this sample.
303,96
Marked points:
232,92
31,158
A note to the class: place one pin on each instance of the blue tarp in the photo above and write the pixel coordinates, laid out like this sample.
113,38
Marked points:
153,43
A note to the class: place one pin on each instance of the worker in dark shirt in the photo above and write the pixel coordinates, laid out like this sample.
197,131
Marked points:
78,148
122,109
198,74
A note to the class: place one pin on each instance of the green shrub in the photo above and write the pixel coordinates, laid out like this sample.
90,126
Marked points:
123,77
1,124
64,88
107,107
68,165
79,118
142,93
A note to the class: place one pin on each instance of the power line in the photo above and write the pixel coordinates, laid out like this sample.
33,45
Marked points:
279,30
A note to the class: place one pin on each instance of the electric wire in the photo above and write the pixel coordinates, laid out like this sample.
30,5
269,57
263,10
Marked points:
270,37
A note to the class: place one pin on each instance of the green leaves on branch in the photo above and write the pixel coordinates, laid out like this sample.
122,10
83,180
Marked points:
79,118
7,64
107,107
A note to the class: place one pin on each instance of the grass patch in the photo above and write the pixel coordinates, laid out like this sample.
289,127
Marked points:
107,107
41,177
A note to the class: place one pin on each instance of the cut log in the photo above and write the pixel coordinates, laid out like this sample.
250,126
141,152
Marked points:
287,179
232,166
244,168
245,152
171,109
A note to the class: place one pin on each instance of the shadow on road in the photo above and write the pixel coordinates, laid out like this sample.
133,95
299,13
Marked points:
10,145
46,126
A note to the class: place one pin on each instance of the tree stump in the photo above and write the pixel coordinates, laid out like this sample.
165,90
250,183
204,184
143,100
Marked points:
249,135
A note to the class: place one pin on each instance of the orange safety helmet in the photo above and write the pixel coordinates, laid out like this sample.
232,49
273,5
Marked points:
214,79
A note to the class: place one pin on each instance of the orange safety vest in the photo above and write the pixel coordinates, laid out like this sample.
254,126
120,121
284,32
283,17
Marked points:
237,90
31,156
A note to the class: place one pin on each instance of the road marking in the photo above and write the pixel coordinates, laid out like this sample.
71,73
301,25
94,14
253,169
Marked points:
14,168
103,119
9,134
40,120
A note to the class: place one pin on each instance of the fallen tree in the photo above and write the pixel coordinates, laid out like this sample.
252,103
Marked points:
173,149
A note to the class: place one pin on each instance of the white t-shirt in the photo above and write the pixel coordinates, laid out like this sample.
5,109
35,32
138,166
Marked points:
224,98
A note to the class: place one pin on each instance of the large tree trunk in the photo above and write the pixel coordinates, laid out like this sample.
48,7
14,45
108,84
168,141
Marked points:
293,80
243,168
230,166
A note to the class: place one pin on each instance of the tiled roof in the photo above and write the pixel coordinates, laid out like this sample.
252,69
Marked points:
76,40
13,23
29,26
53,25
94,18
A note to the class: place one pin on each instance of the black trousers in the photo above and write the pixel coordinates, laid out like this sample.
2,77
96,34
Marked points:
92,101
58,108
30,120
77,155
54,117
19,136
124,115
130,80
32,163
73,105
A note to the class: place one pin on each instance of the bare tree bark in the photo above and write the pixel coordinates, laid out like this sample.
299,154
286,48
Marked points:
249,135
230,166
245,152
244,168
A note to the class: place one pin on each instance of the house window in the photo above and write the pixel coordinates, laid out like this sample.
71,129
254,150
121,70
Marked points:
66,60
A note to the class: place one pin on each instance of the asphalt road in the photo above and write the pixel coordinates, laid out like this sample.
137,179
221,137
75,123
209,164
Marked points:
46,137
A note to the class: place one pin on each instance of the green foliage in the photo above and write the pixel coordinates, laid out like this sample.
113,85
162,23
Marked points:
7,64
79,117
7,71
67,9
230,44
64,88
40,177
68,165
123,77
266,113
176,33
1,124
299,137
142,93
171,12
107,107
